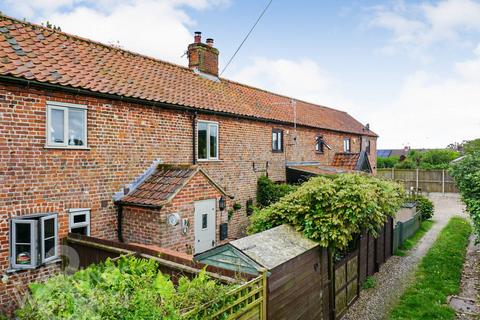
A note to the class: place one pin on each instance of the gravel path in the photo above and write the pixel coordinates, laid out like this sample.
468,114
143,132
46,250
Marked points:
397,273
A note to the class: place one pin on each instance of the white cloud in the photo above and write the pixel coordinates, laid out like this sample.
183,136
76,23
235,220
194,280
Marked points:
417,27
158,28
303,79
432,111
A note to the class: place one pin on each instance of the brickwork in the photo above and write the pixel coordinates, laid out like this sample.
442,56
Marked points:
149,226
124,139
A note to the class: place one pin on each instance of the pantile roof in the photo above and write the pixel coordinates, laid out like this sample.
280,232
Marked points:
347,161
163,185
40,54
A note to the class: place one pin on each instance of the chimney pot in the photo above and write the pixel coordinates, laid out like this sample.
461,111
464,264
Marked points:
210,42
198,37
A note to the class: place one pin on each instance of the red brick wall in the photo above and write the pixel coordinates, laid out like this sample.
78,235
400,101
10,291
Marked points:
148,226
124,140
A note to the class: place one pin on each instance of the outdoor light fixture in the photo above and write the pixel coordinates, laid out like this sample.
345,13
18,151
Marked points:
222,203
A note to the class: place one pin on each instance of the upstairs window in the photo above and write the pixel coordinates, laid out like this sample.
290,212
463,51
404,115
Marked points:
367,148
207,133
277,140
319,144
33,241
80,221
346,145
66,125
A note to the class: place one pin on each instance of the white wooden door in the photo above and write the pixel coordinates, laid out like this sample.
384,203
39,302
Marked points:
204,225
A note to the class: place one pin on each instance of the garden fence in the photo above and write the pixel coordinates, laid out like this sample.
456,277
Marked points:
423,180
404,230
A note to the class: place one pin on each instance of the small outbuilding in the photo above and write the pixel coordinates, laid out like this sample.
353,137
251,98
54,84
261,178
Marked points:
297,270
175,207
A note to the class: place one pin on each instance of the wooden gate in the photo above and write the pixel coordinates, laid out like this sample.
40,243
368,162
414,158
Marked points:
345,284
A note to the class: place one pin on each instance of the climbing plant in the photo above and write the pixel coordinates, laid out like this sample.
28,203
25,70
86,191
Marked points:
333,211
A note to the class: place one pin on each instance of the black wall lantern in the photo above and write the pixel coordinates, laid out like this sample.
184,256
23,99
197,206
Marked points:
222,203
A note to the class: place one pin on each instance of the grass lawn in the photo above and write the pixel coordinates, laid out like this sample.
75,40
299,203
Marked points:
437,277
413,240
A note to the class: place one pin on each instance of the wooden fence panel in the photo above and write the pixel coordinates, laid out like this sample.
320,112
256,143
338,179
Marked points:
425,180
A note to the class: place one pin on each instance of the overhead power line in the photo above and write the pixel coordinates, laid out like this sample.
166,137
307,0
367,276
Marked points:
246,37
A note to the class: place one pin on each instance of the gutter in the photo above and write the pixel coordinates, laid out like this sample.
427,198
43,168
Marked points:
119,221
109,96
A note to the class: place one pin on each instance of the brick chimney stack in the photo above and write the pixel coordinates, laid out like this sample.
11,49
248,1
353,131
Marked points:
203,57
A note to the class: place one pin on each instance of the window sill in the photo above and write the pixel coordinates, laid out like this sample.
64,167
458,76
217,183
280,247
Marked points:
319,152
10,271
66,148
209,160
277,151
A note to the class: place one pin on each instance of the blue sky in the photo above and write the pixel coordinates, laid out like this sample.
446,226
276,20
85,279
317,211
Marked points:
409,68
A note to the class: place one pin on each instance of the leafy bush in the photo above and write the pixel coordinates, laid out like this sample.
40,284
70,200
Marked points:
388,162
424,207
130,288
369,283
467,177
333,210
269,192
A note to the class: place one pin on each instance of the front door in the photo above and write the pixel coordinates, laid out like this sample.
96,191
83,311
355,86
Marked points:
204,225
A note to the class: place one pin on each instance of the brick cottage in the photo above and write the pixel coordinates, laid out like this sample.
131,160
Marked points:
105,142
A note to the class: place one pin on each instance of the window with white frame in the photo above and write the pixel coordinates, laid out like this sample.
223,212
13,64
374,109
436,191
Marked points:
66,125
207,133
277,140
346,145
79,221
33,240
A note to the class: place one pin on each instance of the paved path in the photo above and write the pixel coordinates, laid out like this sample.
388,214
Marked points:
396,274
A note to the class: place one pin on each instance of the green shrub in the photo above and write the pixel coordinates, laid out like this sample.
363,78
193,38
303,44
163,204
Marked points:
467,177
369,283
424,207
269,192
388,162
130,288
333,210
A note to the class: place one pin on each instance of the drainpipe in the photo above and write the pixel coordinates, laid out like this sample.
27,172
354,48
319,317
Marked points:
194,137
119,221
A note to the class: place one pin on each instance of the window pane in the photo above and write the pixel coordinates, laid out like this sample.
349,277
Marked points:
202,140
279,143
79,218
80,230
49,247
213,141
22,233
23,252
204,221
76,127
274,140
49,228
57,126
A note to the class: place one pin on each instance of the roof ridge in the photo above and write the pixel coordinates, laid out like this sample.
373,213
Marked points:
282,95
77,37
112,47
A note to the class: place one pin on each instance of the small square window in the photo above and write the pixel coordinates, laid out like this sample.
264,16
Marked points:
367,148
277,140
80,221
66,125
319,144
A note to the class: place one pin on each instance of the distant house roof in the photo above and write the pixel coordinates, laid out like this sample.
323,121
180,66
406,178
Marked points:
43,55
163,185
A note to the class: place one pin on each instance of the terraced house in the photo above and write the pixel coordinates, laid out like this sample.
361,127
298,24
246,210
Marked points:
109,143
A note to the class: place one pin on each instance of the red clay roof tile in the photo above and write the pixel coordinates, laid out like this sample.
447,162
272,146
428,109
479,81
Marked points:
346,160
45,55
